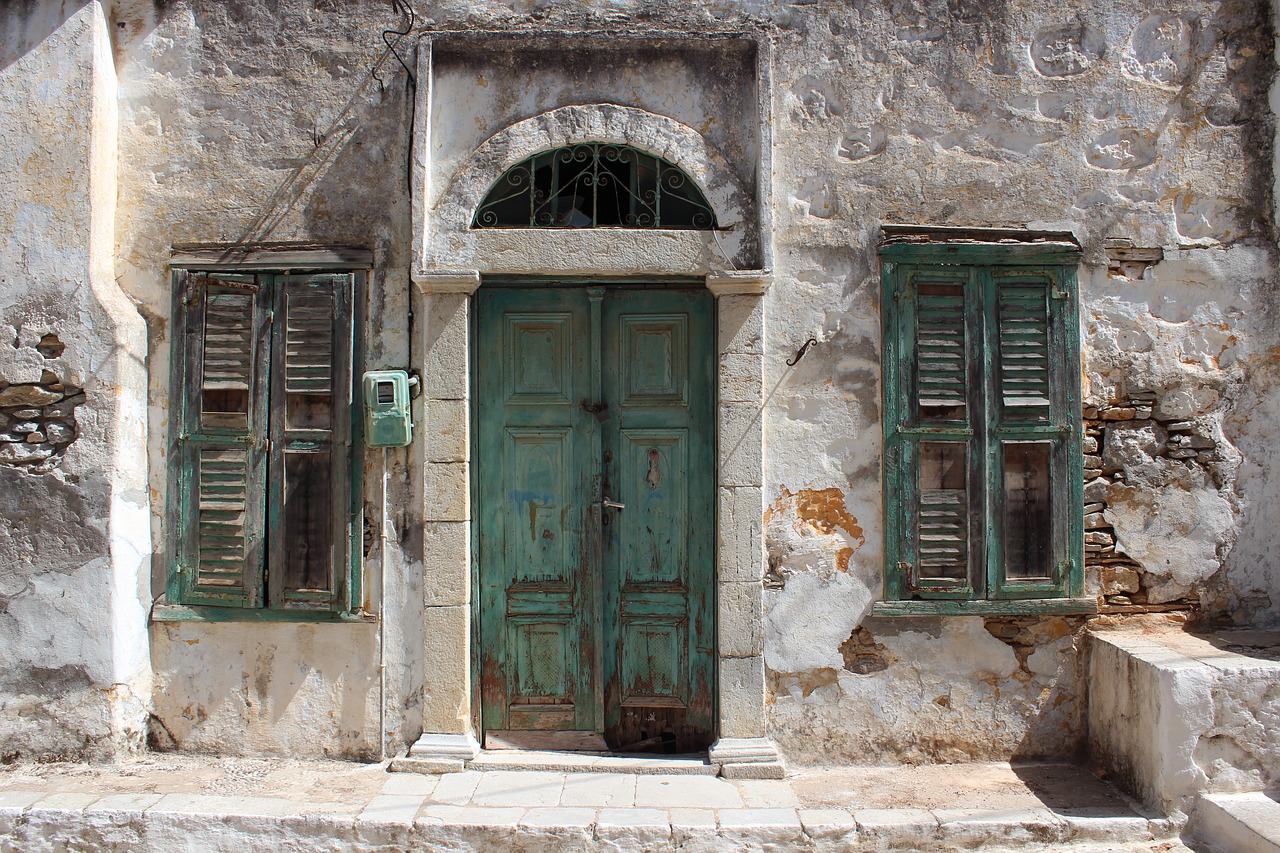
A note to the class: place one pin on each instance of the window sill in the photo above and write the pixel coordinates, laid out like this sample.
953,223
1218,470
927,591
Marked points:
955,607
161,612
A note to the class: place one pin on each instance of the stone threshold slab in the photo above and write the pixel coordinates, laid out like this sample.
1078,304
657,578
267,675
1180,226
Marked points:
593,762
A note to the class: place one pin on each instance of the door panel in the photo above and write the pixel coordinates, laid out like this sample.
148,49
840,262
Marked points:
596,619
659,556
535,585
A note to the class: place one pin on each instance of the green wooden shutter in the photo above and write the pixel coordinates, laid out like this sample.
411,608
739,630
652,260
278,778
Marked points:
311,441
1034,481
983,470
222,443
930,458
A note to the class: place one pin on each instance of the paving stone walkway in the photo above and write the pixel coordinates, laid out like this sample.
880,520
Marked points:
180,803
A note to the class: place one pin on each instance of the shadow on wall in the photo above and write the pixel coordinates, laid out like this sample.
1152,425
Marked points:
27,24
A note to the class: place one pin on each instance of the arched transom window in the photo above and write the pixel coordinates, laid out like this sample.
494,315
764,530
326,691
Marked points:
595,185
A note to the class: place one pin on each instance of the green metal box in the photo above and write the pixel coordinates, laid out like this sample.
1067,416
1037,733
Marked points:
387,421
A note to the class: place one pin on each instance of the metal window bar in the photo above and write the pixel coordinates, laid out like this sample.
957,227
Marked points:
577,175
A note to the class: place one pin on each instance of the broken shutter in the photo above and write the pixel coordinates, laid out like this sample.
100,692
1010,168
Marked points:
311,440
222,439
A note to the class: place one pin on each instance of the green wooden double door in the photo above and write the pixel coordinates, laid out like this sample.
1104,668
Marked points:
595,471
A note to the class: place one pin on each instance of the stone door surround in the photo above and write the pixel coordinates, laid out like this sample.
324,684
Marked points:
444,333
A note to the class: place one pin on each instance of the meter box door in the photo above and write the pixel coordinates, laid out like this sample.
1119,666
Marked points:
387,422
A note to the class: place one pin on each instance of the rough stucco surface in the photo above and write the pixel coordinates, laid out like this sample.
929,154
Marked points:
257,121
1173,715
243,122
74,538
306,691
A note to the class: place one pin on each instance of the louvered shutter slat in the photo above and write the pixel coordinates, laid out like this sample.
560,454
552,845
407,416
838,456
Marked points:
941,384
1023,333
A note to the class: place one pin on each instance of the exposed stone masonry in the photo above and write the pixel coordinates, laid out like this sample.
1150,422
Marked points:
37,422
1114,434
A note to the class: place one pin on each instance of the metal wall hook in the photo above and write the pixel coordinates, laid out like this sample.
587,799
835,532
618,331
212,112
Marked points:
792,362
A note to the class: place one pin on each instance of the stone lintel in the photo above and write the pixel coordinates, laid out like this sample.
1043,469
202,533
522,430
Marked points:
447,281
739,282
438,749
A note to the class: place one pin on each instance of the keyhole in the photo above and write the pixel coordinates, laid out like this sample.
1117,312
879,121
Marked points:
654,477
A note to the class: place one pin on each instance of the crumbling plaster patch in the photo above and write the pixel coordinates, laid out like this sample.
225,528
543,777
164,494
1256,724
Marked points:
74,539
937,685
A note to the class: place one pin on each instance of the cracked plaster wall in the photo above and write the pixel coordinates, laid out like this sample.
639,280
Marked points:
254,121
257,122
74,537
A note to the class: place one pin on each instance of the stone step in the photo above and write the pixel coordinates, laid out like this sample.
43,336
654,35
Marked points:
1238,823
154,823
593,762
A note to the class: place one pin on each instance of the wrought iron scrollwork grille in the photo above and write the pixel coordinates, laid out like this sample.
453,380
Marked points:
595,185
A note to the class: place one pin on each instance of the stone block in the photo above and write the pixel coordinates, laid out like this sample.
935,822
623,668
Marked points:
740,445
446,374
829,825
65,801
667,792
897,828
446,700
627,829
740,540
1119,579
124,803
741,618
457,788
447,495
741,378
765,827
446,563
694,818
742,697
602,790
741,323
409,785
1011,828
764,770
28,395
559,818
428,766
523,789
446,431
1106,825
471,815
766,792
392,808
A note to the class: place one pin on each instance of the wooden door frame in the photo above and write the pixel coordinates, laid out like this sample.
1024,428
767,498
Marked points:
450,719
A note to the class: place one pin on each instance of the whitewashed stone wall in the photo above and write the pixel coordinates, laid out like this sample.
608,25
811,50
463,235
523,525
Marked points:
74,510
1130,126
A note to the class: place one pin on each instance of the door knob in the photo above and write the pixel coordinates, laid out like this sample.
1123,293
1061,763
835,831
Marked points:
612,504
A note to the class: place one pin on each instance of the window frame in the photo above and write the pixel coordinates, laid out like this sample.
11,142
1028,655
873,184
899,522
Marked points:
265,599
985,431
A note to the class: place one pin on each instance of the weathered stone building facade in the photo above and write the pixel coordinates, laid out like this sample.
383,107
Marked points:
153,145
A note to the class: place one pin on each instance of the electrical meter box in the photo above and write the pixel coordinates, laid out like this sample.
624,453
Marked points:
387,422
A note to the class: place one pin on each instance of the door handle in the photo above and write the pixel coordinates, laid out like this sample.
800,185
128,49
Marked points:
609,503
